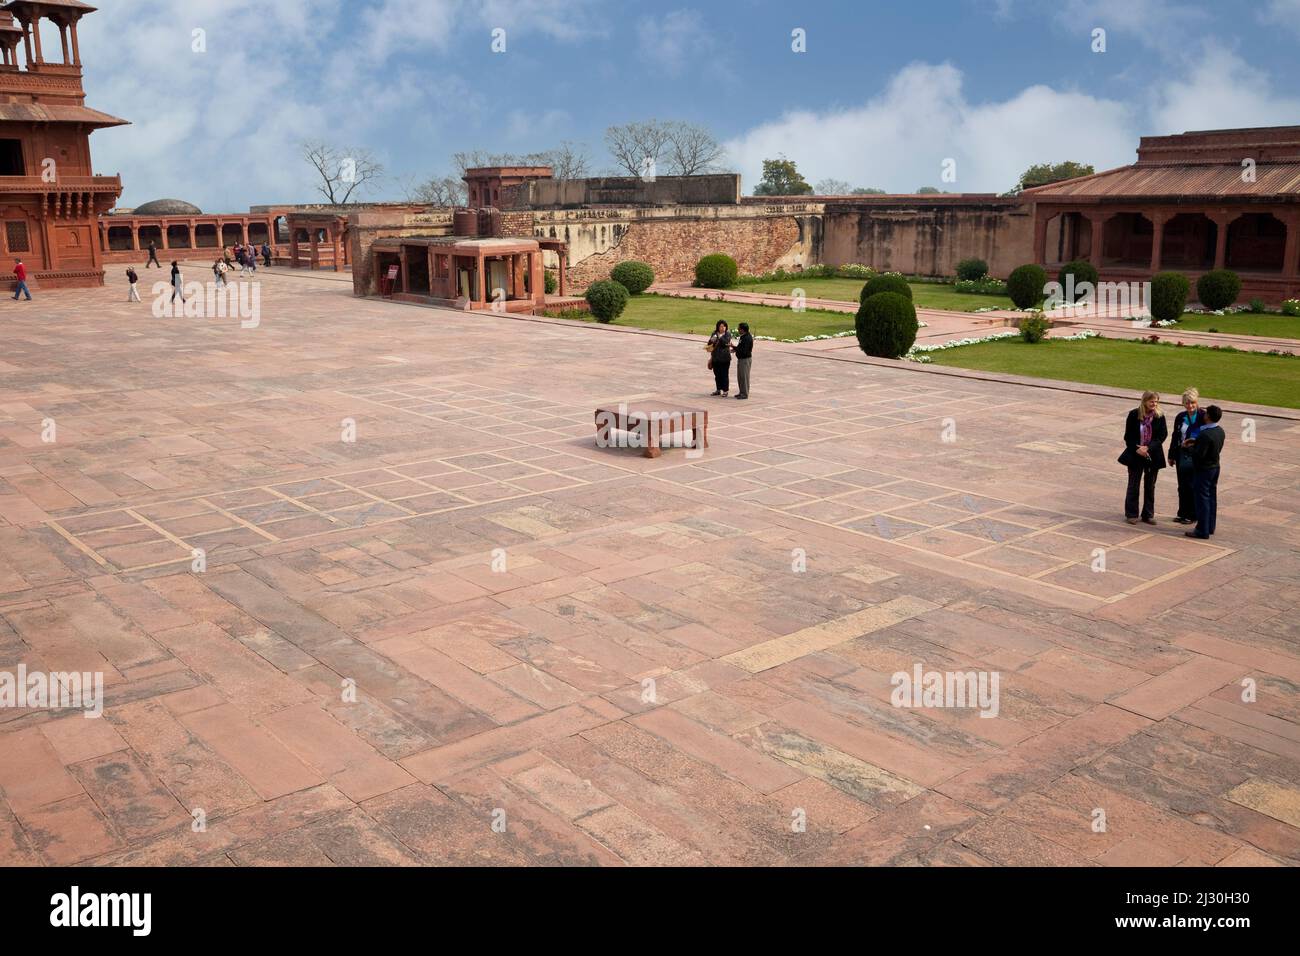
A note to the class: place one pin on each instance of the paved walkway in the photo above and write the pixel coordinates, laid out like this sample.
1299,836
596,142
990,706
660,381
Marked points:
361,586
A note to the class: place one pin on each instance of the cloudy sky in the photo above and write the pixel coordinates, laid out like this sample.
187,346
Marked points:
885,93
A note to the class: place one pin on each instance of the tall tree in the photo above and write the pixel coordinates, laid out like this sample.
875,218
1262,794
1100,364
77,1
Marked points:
692,150
868,191
1044,173
639,148
781,178
344,173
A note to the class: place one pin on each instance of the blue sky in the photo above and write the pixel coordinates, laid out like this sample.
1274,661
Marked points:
884,95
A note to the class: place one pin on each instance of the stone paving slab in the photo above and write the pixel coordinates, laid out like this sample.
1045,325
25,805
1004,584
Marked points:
363,591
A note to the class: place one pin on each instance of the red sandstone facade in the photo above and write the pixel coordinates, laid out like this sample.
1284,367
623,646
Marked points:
126,238
50,198
1192,202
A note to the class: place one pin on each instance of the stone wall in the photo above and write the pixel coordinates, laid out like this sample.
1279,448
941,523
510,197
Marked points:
921,235
365,227
672,239
714,189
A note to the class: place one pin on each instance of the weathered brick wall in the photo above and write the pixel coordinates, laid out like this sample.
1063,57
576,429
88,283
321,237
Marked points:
516,223
929,236
673,246
365,227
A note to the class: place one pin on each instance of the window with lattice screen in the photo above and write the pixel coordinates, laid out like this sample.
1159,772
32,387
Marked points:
16,237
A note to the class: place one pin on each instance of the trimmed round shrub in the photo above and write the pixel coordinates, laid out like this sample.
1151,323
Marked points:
607,299
972,269
1083,271
717,271
1033,328
885,283
550,283
1218,289
886,325
1026,284
1291,307
1258,306
1169,296
634,276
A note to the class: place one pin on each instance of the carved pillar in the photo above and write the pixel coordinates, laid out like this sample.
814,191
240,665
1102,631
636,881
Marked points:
135,237
1097,231
1040,241
36,34
1221,222
1291,257
1158,220
63,39
402,271
76,50
338,252
480,284
315,251
162,228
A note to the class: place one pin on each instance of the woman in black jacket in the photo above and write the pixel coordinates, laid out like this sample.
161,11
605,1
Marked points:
1187,425
1145,434
720,357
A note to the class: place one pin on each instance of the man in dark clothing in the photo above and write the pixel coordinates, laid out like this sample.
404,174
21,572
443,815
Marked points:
153,256
744,350
266,254
1206,449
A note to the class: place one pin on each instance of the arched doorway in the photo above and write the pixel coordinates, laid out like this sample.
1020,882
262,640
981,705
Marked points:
1189,242
1126,240
1256,243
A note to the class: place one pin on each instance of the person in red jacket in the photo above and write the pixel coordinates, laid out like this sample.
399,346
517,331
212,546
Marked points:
20,272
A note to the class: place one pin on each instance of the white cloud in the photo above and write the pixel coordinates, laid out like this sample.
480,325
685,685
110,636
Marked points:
1222,90
900,139
1284,13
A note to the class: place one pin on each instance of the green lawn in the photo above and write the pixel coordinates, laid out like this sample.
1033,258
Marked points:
1243,323
926,295
700,317
1231,376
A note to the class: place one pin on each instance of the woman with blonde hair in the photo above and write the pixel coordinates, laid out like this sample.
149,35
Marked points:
1145,433
1187,425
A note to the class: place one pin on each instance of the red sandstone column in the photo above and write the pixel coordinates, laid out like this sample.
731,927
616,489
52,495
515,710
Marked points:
1221,222
1040,240
1290,265
162,227
135,237
564,282
63,38
1158,221
315,249
338,253
1097,229
482,279
433,274
405,262
76,50
36,32
293,248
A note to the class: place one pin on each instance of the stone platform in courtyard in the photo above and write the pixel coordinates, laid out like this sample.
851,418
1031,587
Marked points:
425,596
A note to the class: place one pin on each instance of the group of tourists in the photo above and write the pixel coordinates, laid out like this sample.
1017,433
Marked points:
245,255
721,346
1194,449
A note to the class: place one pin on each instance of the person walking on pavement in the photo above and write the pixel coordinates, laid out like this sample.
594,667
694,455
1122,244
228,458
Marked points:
132,277
20,273
153,256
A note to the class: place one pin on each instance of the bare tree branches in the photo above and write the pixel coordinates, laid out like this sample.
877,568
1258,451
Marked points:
343,172
683,149
638,147
435,191
692,150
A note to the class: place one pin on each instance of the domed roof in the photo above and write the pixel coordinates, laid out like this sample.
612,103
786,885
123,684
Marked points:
167,207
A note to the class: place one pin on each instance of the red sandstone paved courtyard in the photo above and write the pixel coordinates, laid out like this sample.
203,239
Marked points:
522,691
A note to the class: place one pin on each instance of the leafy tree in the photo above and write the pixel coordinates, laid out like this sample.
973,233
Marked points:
781,178
928,191
1044,173
868,191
